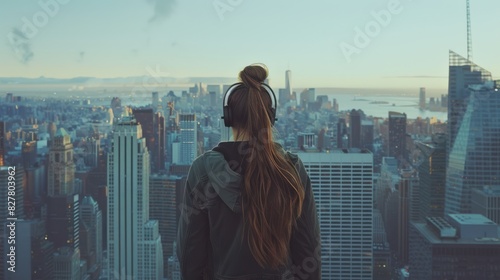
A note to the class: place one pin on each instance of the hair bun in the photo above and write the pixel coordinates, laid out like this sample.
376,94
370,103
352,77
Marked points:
253,75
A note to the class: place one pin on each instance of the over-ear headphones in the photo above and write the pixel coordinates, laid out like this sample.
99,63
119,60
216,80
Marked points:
228,120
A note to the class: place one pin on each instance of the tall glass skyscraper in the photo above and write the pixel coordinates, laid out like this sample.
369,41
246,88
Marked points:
462,73
134,244
474,160
343,189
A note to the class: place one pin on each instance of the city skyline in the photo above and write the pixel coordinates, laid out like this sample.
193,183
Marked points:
321,42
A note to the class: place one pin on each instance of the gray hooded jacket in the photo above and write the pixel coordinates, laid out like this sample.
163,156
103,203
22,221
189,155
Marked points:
210,241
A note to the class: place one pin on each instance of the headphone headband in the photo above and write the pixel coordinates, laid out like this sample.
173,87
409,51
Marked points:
232,88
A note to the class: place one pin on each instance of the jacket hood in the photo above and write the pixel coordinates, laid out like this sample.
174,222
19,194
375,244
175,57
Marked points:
225,181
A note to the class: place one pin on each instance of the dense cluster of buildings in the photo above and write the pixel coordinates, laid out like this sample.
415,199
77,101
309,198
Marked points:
98,186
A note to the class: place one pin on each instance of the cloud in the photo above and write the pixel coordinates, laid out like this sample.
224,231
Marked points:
81,55
162,9
21,45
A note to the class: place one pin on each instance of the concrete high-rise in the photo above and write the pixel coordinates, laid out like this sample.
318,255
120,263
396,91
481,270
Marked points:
343,189
63,223
61,173
474,160
134,245
397,136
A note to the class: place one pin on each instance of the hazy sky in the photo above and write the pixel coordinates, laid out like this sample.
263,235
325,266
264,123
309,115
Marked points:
316,39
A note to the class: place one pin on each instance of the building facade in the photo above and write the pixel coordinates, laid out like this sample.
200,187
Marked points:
91,219
163,207
460,246
474,160
397,136
486,201
432,174
343,189
462,73
133,240
189,138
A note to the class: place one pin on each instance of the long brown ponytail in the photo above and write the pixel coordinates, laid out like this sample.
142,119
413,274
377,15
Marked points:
273,194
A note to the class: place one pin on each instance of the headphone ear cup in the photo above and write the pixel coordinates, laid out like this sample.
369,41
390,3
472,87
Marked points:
227,116
273,116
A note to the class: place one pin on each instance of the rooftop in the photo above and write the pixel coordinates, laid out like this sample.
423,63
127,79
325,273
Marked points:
471,219
61,132
431,236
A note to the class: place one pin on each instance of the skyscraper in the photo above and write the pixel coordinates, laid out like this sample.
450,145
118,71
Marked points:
474,160
155,101
62,201
288,82
355,127
343,190
61,166
462,73
63,221
432,174
145,117
28,150
91,220
189,138
163,207
367,134
159,144
342,135
422,103
406,184
216,89
397,136
134,245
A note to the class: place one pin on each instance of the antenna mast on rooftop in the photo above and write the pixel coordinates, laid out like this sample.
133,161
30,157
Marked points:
469,33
